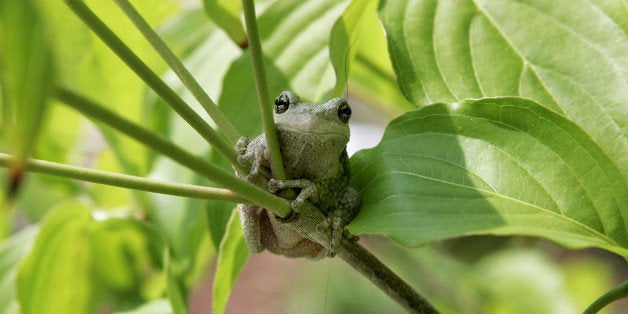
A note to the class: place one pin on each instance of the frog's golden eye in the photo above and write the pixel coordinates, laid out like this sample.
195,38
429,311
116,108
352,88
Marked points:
344,112
282,103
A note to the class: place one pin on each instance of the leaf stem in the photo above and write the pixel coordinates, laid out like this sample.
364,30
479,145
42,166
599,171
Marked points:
153,80
621,291
201,166
125,181
270,131
179,69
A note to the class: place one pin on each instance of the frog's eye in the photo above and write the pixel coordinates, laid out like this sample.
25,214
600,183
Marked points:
344,112
282,103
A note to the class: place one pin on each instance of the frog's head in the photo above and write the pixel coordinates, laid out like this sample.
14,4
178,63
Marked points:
330,119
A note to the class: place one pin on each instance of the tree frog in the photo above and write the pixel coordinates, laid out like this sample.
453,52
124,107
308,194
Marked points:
312,140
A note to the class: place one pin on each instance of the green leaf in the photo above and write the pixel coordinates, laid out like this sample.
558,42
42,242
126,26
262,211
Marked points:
12,252
55,278
27,74
232,256
491,166
81,260
568,55
226,13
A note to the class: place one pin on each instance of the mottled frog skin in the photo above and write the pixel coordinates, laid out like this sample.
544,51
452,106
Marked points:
312,140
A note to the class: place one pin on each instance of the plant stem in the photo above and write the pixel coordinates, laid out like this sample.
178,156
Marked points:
153,80
125,181
270,131
254,194
621,291
177,66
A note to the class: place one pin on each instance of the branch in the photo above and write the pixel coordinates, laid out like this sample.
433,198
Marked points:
125,181
201,166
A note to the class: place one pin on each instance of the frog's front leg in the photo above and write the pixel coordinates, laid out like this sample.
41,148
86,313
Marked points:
253,152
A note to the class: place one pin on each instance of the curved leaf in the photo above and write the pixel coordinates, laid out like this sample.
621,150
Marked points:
56,277
233,255
12,251
491,166
568,55
77,261
226,13
27,75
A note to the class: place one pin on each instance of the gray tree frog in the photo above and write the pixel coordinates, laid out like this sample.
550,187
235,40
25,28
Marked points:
312,140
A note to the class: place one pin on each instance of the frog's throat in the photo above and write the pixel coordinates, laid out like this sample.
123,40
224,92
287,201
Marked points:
292,129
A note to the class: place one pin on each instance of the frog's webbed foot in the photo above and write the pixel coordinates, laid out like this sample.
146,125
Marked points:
307,189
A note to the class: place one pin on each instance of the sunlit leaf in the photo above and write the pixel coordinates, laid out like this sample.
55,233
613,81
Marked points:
12,252
27,75
568,55
491,166
77,261
56,276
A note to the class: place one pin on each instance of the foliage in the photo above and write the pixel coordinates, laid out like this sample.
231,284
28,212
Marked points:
527,138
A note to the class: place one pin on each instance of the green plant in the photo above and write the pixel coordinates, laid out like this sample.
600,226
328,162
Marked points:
540,152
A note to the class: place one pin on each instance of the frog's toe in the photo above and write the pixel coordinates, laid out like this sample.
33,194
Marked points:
274,185
297,205
242,145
